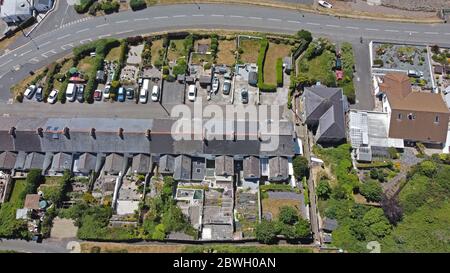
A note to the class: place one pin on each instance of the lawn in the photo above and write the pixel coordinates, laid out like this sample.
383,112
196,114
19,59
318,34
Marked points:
19,186
86,65
274,52
87,247
113,54
250,49
176,50
226,52
156,49
202,42
273,205
198,58
320,68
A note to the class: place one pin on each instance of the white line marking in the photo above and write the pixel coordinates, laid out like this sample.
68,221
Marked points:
161,17
141,19
26,52
313,24
198,15
372,29
34,60
85,40
103,36
410,31
67,45
391,30
335,26
217,15
294,22
103,25
350,27
274,19
448,33
62,37
123,21
126,31
236,16
83,30
429,32
256,18
8,61
46,43
45,55
178,16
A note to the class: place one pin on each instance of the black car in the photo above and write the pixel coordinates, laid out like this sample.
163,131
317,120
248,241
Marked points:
130,93
80,93
39,94
244,96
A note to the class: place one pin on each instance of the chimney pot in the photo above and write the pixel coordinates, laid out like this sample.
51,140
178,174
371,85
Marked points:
120,133
93,133
66,132
12,131
148,133
40,132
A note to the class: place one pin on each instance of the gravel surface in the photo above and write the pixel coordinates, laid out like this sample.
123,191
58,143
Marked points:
421,5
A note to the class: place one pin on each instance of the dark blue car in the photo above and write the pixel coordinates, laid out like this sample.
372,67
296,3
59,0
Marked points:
121,94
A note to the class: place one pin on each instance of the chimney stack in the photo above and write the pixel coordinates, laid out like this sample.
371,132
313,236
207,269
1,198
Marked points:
12,131
40,132
93,133
66,132
120,133
148,134
234,136
259,136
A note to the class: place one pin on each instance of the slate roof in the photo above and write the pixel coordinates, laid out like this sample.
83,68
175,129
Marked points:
141,163
329,224
114,163
7,160
87,162
224,165
34,161
166,164
198,169
61,162
278,168
251,167
182,168
325,109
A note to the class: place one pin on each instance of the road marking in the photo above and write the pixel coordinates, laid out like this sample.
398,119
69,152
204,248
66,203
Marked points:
126,31
34,60
62,37
391,30
45,55
83,30
103,36
255,18
103,25
217,15
161,17
294,22
85,40
313,24
141,19
178,16
8,61
67,45
350,27
335,26
274,19
46,43
236,16
26,52
372,29
411,31
198,15
429,32
123,21
448,33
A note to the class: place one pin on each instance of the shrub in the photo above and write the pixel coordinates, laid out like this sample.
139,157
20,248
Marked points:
137,4
372,191
19,97
323,189
84,6
110,6
266,232
304,35
288,215
93,9
52,70
378,62
279,72
393,154
207,66
301,167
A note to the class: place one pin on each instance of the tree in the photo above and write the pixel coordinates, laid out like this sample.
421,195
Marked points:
305,35
377,223
372,191
288,215
137,4
323,189
427,168
392,209
160,232
266,232
339,192
302,229
301,167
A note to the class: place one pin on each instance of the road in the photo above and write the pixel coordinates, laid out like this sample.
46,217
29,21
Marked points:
48,246
48,46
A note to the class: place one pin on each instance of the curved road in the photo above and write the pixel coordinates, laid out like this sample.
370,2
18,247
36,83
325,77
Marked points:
43,49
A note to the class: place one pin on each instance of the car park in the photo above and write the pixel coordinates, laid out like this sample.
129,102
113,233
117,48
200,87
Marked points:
80,93
71,92
215,85
121,94
244,95
130,93
29,92
52,97
39,94
192,92
155,93
97,95
106,92
325,4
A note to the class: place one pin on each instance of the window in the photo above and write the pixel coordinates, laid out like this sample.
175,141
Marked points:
436,119
411,116
399,117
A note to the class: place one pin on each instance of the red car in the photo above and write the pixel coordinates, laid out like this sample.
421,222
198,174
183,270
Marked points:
98,95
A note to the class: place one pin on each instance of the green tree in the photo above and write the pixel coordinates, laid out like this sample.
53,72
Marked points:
305,35
427,168
160,232
288,215
377,223
302,229
301,167
339,192
372,191
266,232
323,189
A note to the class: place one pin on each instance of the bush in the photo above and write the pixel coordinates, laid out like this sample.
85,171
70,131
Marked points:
93,9
372,191
110,6
323,189
304,35
84,6
279,72
266,232
138,4
288,215
52,70
301,167
19,97
378,62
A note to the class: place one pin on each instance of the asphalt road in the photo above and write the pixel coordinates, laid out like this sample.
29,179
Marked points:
45,48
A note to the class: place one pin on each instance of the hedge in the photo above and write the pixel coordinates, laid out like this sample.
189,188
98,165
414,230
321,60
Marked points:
138,4
387,164
53,69
305,191
263,87
84,6
279,68
109,7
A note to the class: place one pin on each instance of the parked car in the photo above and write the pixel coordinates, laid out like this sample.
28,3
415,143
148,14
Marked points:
226,87
325,4
121,94
244,95
29,92
39,94
53,96
71,92
215,84
80,93
155,93
106,92
143,94
97,95
192,92
130,93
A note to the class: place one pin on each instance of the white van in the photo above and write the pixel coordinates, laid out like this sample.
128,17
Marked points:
155,93
192,92
143,94
71,92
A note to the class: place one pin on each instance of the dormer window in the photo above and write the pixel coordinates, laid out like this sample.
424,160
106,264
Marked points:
411,116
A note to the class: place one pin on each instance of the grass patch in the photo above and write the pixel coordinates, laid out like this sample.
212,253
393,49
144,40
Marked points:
198,58
226,54
176,50
19,187
86,65
157,50
249,49
246,249
273,205
274,52
113,54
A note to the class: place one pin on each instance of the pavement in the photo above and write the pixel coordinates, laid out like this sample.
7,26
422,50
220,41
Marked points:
47,246
47,47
